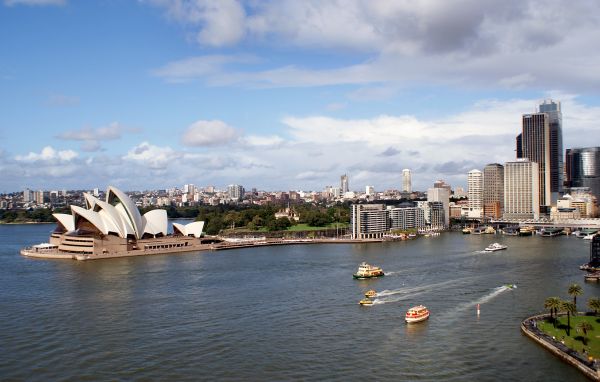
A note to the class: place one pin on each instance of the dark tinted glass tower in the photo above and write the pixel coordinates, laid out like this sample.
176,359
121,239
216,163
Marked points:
541,142
583,169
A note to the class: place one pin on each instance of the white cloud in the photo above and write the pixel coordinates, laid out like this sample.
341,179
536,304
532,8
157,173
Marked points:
152,156
48,153
209,133
11,3
264,141
485,43
220,22
93,137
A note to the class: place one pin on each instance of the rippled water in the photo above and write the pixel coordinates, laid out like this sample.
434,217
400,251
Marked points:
285,313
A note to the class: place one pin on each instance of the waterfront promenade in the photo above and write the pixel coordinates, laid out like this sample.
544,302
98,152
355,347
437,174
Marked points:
591,368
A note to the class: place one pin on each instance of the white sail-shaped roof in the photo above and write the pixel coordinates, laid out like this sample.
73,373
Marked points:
114,194
155,222
90,200
66,221
118,214
125,221
90,216
194,228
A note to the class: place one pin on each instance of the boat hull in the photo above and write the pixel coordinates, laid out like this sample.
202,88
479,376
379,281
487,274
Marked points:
414,320
366,277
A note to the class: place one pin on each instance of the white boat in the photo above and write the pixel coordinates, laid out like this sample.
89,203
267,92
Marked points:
495,247
589,237
416,314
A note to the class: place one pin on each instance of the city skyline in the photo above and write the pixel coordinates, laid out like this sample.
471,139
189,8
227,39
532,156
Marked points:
154,94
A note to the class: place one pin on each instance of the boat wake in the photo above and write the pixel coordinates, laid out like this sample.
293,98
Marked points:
482,300
394,295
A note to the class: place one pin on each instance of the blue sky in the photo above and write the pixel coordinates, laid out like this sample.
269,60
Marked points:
282,95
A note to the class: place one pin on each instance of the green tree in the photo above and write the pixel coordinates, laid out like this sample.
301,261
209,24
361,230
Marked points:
553,304
575,290
584,327
594,304
570,308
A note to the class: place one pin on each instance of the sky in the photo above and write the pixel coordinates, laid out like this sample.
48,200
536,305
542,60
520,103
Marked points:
284,94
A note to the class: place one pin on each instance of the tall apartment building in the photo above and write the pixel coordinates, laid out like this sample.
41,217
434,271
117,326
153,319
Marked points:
404,218
27,195
521,190
441,195
369,221
235,192
541,142
438,217
475,191
582,169
38,196
369,190
406,181
493,191
344,184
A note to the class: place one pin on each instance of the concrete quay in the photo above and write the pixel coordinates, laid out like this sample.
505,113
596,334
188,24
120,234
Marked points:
591,369
224,245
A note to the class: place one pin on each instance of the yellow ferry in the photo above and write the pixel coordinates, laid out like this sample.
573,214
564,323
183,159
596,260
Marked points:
366,271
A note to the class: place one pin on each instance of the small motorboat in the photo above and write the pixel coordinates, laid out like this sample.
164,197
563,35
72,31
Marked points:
370,293
416,314
366,302
495,247
511,286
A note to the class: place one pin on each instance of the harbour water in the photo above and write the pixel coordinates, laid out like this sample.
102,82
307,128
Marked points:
285,313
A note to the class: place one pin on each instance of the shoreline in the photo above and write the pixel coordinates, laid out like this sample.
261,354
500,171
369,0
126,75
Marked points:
55,254
568,355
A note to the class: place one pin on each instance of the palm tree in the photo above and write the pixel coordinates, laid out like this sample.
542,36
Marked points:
575,290
553,304
569,307
594,304
584,327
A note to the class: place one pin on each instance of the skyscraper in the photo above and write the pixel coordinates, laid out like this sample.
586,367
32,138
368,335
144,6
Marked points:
475,191
582,168
493,190
406,181
441,195
521,190
541,142
344,184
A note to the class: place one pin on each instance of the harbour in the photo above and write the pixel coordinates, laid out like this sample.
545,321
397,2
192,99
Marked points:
287,312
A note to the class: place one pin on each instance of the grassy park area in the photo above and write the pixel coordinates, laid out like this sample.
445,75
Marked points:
577,338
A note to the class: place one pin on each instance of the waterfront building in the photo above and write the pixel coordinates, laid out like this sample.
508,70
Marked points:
438,215
582,169
493,191
115,227
235,192
521,190
404,218
344,184
475,191
406,181
541,142
442,195
369,221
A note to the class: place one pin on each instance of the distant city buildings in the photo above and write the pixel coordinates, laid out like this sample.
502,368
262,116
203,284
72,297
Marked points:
475,192
541,142
441,195
493,191
235,192
582,169
521,190
369,221
344,184
406,181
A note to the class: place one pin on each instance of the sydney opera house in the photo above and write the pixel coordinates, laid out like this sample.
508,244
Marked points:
115,228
